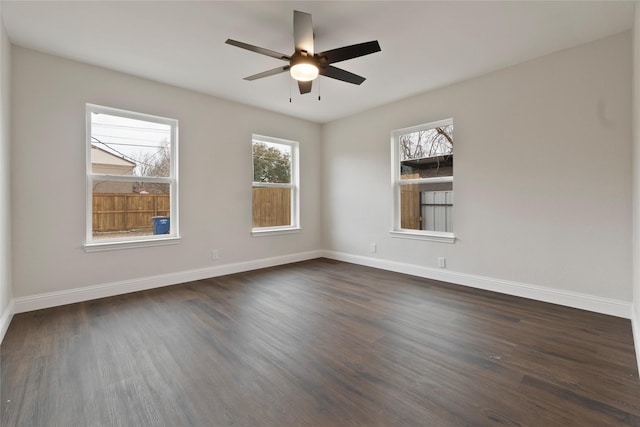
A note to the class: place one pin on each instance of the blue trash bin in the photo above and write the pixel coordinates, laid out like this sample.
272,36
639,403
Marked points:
161,224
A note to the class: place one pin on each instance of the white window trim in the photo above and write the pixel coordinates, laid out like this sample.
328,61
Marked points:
396,182
140,242
92,245
433,236
294,227
270,231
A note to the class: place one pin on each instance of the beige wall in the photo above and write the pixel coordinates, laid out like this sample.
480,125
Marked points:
529,208
5,177
215,176
636,179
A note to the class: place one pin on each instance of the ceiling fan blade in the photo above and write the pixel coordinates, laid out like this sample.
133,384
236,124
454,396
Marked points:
303,31
349,52
340,74
268,73
305,87
261,50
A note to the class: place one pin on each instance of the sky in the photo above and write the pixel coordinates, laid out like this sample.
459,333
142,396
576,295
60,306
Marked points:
131,139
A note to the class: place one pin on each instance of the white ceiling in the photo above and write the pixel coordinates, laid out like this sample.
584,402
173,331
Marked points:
425,45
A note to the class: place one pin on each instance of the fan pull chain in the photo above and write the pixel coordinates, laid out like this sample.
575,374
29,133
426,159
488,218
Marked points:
290,81
318,89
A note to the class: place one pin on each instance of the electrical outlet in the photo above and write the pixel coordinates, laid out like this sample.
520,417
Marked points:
373,248
442,262
215,254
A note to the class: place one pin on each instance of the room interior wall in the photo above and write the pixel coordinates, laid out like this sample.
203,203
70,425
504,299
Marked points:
636,181
48,179
542,179
5,189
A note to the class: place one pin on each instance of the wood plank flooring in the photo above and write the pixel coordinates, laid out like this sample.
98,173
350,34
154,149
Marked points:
318,343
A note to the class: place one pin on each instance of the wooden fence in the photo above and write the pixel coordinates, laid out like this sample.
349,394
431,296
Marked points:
410,215
271,206
125,212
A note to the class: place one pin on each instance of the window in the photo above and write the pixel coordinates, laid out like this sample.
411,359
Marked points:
132,175
275,185
422,181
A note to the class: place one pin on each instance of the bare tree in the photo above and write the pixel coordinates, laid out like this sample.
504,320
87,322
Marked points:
156,164
427,143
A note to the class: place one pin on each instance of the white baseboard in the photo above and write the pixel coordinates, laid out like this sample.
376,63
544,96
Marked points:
70,296
567,298
555,296
5,319
635,326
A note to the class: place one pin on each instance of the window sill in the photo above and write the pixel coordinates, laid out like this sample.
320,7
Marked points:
130,244
434,236
270,231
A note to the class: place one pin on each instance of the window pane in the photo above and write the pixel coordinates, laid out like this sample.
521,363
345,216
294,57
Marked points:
271,206
271,162
426,153
124,146
119,212
426,206
437,141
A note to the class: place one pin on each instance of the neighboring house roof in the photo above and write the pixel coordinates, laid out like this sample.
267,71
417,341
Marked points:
104,157
430,162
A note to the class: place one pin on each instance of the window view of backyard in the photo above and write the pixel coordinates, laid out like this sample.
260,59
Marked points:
274,183
425,177
131,174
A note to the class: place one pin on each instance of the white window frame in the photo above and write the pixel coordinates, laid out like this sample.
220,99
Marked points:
93,245
396,183
294,227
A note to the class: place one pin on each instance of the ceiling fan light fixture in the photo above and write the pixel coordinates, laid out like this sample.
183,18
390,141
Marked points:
305,65
304,71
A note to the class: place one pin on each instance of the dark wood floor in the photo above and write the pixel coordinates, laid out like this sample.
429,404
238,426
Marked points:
318,343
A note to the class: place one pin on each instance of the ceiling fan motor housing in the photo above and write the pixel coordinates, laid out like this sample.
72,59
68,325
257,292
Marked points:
304,67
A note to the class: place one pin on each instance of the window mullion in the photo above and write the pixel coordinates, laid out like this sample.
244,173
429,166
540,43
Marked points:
272,185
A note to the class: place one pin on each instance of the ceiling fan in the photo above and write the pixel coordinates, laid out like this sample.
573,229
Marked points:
305,64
